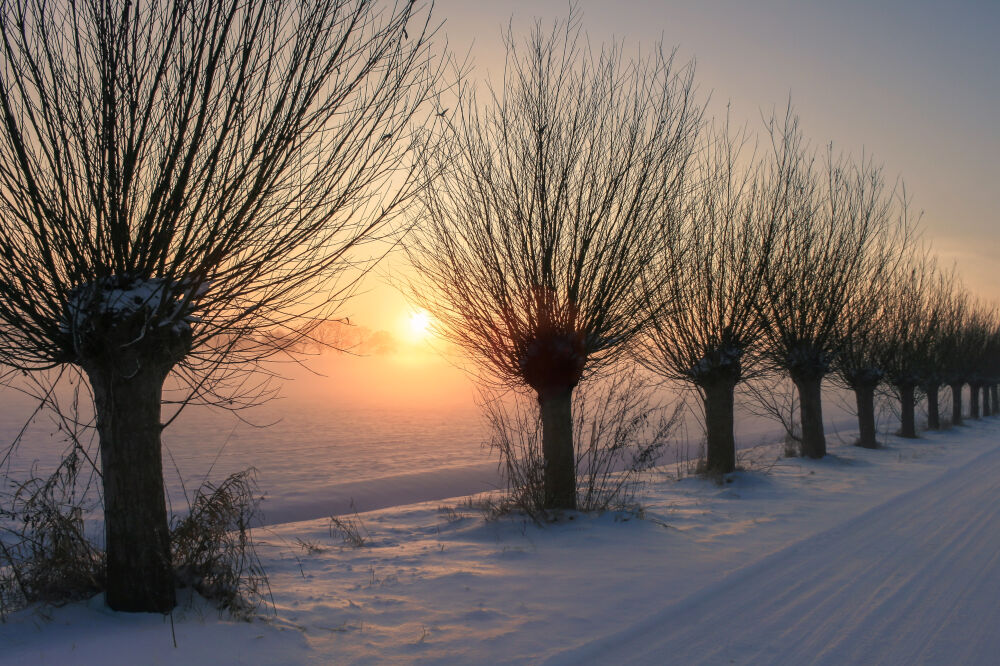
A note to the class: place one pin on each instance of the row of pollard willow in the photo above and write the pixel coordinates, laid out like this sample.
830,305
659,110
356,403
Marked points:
585,211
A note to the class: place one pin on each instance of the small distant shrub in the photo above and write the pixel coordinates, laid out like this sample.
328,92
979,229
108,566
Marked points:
450,513
793,445
775,398
350,530
310,547
758,459
213,549
619,433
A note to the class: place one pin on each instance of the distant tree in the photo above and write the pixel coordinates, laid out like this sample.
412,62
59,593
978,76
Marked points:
860,362
544,222
948,301
912,324
177,179
706,329
952,361
993,369
830,222
980,326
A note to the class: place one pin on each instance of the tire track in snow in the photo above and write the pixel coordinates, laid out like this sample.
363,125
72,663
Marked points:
913,581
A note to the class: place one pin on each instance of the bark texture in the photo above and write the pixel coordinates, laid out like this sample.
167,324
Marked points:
907,425
956,404
811,414
864,395
933,408
557,448
127,399
721,445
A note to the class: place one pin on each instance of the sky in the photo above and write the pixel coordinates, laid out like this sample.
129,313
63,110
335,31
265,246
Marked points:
914,84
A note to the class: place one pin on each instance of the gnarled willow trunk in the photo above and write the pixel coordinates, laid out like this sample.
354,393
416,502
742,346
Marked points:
811,414
721,444
907,425
956,403
864,395
974,401
127,395
933,409
557,448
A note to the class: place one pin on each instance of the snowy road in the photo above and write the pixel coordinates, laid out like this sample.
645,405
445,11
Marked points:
913,581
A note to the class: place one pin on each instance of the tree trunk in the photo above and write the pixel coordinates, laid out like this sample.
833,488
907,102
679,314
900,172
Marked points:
956,404
907,426
973,401
811,415
933,410
995,390
933,407
987,407
718,401
865,397
137,538
557,448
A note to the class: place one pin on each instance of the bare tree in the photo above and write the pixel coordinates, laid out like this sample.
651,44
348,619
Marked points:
861,361
912,323
948,302
831,219
544,222
176,180
951,359
979,328
859,365
707,327
993,369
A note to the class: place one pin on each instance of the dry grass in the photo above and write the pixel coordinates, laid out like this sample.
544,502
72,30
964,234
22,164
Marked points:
619,432
45,556
213,549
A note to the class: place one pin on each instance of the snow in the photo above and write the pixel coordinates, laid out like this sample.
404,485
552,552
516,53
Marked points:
884,556
123,296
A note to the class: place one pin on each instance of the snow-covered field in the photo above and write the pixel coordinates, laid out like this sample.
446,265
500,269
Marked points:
886,556
318,457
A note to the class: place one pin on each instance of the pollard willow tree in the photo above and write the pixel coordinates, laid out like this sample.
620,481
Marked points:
991,368
947,302
860,361
177,179
706,328
950,357
830,230
542,225
980,326
913,320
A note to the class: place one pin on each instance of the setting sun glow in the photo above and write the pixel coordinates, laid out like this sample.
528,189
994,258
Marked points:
419,325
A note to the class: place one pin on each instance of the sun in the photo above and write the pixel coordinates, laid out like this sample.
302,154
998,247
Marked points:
419,325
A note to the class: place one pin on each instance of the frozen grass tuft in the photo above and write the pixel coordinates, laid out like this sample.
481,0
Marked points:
350,530
45,556
213,549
